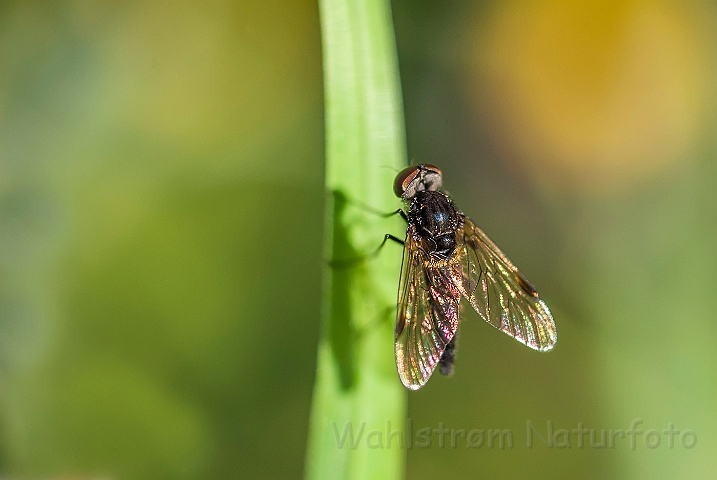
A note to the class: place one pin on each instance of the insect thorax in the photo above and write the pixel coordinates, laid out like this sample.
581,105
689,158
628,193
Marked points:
436,220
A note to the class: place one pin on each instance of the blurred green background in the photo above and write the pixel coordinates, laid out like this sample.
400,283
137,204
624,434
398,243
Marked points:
161,205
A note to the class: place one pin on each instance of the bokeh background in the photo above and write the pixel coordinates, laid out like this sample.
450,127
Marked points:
161,195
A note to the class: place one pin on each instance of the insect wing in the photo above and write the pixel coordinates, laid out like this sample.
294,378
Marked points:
501,294
427,318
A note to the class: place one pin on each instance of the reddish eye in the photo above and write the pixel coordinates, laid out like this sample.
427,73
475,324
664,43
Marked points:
404,178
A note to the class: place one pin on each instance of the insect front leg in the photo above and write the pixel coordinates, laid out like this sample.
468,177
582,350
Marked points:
341,244
375,211
398,212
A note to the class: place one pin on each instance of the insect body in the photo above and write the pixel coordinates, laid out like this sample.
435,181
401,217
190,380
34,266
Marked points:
447,257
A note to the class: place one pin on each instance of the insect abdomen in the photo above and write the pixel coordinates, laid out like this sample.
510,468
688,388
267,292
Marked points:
445,364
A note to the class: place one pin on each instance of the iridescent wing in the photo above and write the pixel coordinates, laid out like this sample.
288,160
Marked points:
500,293
427,319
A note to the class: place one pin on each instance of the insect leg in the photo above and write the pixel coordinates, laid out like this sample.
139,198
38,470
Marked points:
388,236
399,212
370,209
349,262
385,215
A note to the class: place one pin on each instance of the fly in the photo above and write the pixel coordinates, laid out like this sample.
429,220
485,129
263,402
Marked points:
447,257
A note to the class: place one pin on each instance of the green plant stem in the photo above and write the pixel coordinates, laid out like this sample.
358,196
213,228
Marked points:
357,390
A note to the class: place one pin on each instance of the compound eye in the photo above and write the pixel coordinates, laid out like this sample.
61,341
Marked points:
404,179
433,169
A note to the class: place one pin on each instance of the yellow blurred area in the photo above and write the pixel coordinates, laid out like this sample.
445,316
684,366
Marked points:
596,94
